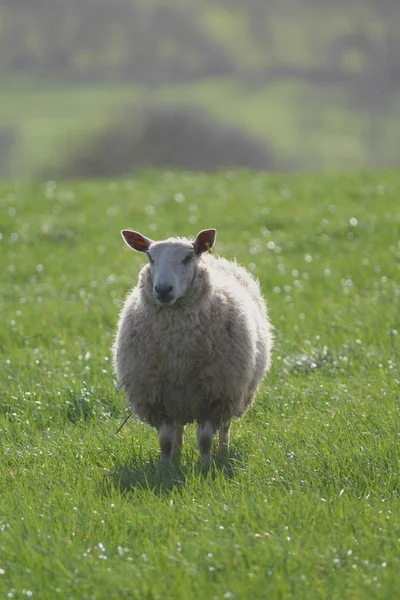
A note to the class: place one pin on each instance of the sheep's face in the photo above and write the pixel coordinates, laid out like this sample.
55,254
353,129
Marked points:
173,262
172,266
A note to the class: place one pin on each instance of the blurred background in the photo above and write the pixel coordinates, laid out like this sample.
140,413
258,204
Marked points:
101,88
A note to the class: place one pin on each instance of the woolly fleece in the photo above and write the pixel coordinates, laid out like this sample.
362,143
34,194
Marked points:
200,359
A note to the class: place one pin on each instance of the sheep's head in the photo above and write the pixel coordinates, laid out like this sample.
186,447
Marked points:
172,262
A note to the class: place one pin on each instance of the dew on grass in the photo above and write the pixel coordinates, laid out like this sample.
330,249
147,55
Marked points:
256,249
281,269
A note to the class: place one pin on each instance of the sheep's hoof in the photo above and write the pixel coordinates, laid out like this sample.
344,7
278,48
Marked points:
206,461
177,453
165,462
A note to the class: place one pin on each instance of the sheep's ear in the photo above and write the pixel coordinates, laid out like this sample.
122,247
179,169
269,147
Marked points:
204,241
136,240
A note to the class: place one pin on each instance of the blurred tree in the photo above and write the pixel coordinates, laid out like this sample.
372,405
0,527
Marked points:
98,39
157,42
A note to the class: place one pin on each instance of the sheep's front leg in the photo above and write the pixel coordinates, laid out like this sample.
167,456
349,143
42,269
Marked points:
205,433
167,437
224,438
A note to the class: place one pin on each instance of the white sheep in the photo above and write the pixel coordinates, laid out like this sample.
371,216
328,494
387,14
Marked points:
193,341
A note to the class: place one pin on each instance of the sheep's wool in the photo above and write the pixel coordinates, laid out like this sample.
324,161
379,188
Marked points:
201,359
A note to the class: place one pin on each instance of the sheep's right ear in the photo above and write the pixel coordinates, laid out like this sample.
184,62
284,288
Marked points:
204,241
136,240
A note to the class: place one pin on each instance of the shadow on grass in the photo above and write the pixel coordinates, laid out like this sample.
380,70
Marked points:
149,474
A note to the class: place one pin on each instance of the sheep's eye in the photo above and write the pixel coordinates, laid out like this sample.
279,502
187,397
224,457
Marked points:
187,259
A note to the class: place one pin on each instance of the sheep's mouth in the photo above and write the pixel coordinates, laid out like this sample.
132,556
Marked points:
165,303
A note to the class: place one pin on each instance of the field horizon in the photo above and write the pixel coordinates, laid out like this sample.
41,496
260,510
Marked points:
306,505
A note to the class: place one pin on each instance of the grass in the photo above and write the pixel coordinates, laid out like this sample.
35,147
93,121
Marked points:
307,503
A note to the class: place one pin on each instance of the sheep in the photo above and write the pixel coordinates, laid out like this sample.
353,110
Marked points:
193,341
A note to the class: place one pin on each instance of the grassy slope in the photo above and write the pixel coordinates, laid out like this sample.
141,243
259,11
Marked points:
308,127
307,506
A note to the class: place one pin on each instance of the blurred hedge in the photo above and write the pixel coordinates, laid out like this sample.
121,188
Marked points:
167,138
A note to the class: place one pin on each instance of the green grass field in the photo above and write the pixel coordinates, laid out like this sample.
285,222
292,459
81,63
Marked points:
307,503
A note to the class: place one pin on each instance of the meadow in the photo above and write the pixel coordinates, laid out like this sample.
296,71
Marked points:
307,503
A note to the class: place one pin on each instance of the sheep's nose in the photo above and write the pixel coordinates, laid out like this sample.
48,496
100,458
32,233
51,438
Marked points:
163,291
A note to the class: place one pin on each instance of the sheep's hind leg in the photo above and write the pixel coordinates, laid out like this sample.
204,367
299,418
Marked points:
167,437
178,437
223,444
205,433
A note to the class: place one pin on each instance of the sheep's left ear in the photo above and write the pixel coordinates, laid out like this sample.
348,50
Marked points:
136,240
204,241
